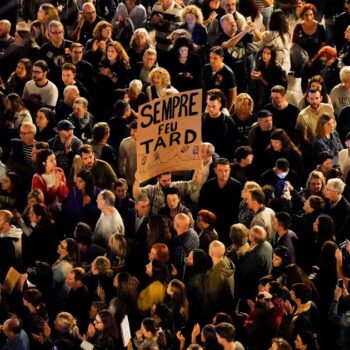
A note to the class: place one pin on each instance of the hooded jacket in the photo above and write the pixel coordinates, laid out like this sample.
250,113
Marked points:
220,285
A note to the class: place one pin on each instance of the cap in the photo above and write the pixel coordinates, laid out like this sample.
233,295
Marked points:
264,113
64,125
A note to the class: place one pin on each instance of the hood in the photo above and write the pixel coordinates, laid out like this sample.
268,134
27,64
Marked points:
13,232
225,266
85,121
80,123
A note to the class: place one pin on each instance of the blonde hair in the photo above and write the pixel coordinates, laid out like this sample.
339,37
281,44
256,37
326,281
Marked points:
315,174
163,72
36,194
99,27
251,185
102,264
122,55
119,245
66,322
217,249
50,12
195,10
239,102
344,74
138,32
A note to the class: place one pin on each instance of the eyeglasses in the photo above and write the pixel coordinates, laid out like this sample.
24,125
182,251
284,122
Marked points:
25,133
89,13
37,71
56,33
77,52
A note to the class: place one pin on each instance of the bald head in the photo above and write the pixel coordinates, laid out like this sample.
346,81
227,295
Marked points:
70,94
12,327
257,234
181,223
5,29
89,12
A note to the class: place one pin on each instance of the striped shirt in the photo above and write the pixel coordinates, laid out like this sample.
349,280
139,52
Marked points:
171,21
27,150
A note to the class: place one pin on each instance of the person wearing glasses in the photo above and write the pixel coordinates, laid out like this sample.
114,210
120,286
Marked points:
40,91
56,51
20,159
103,333
86,23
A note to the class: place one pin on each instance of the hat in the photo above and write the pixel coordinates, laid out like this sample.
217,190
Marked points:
264,113
64,125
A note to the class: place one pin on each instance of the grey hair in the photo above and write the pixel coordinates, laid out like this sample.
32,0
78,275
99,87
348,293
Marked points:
337,184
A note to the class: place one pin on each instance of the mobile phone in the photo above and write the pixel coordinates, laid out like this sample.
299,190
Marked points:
343,245
249,19
340,283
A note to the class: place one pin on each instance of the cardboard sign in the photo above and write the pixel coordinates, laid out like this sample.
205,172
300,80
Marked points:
169,134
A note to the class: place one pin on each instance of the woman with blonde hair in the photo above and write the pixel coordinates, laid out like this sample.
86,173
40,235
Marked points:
315,185
99,279
46,13
67,332
118,250
66,323
160,84
244,117
192,18
327,138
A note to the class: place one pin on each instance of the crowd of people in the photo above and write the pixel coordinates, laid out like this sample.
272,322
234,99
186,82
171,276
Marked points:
250,251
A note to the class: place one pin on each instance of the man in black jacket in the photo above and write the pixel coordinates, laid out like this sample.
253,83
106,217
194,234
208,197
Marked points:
222,195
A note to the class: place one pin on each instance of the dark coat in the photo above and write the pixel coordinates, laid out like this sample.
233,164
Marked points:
223,202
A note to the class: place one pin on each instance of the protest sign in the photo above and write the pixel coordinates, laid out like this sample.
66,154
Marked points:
169,134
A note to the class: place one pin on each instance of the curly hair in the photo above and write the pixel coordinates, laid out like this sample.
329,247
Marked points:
239,102
102,264
99,27
193,9
163,72
305,8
